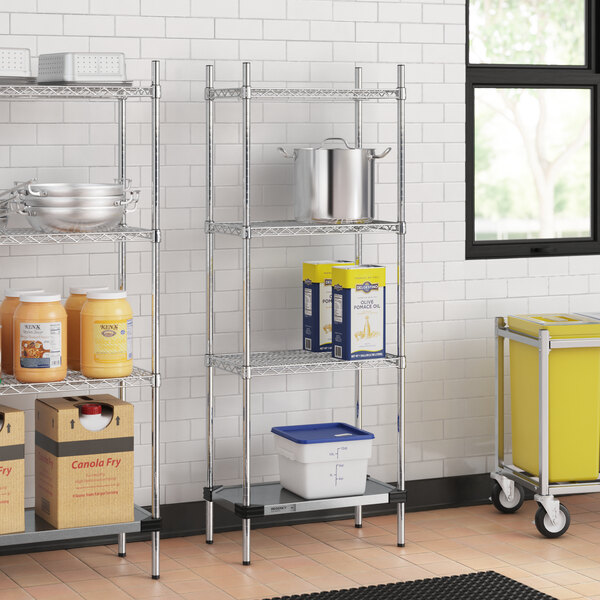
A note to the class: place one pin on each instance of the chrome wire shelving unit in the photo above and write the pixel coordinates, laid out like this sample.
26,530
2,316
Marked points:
256,500
36,530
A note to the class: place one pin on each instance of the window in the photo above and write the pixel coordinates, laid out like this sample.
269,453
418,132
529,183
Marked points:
532,128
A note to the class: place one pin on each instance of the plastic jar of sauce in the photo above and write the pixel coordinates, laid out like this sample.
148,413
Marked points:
106,335
40,339
7,311
73,306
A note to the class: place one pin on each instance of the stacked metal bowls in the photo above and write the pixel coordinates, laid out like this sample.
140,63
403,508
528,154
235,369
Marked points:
75,207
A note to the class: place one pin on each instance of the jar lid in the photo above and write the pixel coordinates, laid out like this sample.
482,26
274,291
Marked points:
28,297
16,293
110,295
81,291
91,409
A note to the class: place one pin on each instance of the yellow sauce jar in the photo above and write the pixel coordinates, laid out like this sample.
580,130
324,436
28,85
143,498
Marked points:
40,339
7,311
106,335
73,306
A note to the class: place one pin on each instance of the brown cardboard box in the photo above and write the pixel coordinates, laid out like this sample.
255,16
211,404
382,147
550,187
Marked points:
12,470
83,477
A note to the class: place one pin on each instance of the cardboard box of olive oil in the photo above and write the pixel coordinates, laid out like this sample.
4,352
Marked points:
12,470
316,304
83,477
358,311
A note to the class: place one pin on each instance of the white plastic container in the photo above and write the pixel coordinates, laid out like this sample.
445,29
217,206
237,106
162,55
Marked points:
325,460
15,62
94,417
81,67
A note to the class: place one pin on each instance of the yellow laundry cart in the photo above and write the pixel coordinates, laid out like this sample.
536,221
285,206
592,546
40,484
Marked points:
555,413
574,398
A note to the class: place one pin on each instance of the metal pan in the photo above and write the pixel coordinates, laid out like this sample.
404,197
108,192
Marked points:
95,190
51,220
79,201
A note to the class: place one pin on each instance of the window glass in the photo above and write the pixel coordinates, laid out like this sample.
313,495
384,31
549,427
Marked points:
527,32
532,163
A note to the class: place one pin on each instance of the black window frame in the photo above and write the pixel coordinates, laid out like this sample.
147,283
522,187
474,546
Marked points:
536,76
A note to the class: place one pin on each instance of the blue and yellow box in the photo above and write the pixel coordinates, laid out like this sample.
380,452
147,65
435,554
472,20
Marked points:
358,312
316,304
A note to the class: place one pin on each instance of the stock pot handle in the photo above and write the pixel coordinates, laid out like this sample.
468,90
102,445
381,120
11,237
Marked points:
336,139
286,154
382,155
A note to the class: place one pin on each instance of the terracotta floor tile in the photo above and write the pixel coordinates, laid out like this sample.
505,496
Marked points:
372,577
16,594
191,585
215,594
586,589
58,591
111,571
141,586
224,576
335,581
446,567
408,573
51,556
295,585
567,578
376,557
6,582
255,591
84,573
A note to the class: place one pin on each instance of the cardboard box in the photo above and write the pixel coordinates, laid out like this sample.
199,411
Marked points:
316,304
83,477
12,470
358,311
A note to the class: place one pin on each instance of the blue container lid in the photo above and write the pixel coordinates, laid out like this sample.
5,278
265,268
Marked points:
321,433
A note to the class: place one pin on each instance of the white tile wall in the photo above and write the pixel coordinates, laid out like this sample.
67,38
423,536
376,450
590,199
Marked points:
290,42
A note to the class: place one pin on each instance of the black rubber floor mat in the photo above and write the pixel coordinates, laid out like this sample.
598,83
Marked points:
485,585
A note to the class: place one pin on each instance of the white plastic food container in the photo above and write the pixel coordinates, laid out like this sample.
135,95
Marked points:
324,460
81,67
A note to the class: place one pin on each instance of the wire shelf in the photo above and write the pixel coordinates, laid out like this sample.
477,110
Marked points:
307,93
287,362
88,92
291,228
15,237
75,382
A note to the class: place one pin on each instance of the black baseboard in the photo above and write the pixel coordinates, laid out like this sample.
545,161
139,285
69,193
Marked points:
188,518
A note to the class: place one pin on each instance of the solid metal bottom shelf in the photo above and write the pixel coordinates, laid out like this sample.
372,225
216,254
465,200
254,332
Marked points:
38,531
273,499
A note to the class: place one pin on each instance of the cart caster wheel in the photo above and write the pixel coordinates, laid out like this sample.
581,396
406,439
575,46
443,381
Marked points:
547,528
500,501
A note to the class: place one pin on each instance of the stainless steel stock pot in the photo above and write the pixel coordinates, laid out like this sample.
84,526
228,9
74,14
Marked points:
334,184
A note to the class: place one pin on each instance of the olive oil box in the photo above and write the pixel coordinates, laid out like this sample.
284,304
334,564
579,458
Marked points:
316,304
358,311
83,477
12,470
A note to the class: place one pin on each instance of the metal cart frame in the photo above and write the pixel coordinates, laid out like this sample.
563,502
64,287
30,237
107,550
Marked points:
508,476
36,530
256,500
